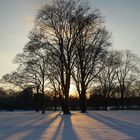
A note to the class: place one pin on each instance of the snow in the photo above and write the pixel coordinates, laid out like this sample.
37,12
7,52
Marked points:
94,125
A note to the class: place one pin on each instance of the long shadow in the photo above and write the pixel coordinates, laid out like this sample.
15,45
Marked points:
37,131
29,117
20,124
65,128
127,128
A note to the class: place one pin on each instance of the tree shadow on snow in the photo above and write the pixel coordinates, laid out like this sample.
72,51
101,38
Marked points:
65,129
35,131
127,128
40,129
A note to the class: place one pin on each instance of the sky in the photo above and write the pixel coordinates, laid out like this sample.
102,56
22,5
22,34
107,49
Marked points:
17,16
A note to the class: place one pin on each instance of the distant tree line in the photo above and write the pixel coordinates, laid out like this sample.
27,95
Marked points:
27,100
71,44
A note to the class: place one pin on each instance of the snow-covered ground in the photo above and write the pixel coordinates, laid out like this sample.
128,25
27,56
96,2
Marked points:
94,125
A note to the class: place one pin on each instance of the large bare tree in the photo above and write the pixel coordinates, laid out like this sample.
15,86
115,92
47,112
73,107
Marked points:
61,24
91,50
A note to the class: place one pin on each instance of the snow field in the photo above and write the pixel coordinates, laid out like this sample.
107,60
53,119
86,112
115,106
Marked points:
94,125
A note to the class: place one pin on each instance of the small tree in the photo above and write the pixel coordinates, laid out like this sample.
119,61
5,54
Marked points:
107,77
126,68
32,70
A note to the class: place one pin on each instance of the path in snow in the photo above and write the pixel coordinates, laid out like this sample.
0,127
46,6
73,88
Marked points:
94,125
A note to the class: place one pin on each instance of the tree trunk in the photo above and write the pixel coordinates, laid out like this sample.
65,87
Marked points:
106,103
83,105
65,101
66,109
43,94
37,102
55,102
37,99
106,98
43,103
122,99
65,106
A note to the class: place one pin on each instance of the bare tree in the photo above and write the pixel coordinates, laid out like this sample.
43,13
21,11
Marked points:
137,88
125,70
55,86
15,79
32,70
91,49
61,24
24,78
107,77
